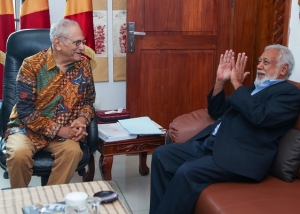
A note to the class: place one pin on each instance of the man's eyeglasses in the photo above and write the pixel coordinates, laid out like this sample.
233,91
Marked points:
77,42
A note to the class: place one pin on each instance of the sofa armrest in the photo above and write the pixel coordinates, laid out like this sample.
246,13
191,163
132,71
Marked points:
187,125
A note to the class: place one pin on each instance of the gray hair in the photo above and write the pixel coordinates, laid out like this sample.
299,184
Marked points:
285,57
60,28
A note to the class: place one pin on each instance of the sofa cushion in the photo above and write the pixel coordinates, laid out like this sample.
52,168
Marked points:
272,195
287,161
188,125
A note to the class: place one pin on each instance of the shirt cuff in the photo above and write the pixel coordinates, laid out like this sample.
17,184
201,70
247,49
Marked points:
87,116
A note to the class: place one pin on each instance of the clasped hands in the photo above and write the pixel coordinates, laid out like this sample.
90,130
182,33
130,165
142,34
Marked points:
229,69
76,131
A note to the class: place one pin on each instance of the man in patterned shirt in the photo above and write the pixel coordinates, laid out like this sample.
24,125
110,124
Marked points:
55,94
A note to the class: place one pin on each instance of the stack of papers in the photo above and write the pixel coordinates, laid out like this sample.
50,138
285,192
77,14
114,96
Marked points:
58,207
141,126
113,132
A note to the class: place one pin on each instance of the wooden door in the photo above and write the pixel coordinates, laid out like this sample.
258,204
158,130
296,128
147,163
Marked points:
173,67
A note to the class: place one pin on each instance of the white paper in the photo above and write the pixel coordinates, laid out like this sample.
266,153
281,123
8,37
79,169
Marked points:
140,126
113,132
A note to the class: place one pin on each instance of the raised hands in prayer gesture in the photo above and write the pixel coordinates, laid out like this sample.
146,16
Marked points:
229,69
225,66
238,73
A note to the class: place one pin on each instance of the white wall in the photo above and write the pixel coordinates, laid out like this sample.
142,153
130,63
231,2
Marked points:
294,39
112,95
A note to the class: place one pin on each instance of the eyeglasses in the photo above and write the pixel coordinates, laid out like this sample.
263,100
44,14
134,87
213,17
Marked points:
77,42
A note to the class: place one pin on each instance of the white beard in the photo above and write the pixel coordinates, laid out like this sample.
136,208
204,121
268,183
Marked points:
258,82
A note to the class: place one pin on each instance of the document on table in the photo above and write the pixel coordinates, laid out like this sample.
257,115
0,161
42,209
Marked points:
113,132
141,126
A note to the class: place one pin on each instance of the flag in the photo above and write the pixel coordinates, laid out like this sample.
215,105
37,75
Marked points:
7,26
81,11
34,14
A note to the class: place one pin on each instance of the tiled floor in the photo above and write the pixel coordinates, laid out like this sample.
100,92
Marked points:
135,188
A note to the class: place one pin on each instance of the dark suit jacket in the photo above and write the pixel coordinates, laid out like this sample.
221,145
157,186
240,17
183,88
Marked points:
247,139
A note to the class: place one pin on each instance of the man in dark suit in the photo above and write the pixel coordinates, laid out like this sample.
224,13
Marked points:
241,145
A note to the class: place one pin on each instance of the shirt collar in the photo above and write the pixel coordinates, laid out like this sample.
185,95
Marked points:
50,60
268,83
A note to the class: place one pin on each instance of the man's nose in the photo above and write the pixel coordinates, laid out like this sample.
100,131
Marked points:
260,66
81,46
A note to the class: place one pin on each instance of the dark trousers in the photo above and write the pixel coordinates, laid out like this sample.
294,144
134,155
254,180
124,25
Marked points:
180,172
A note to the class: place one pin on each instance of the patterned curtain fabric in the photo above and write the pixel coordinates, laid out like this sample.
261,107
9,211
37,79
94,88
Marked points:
7,26
34,14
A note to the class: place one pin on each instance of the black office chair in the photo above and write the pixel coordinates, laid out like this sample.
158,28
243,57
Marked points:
20,45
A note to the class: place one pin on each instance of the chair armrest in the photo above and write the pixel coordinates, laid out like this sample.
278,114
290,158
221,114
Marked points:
188,125
92,138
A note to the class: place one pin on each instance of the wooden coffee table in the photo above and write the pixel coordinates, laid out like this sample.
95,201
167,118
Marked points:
141,145
12,200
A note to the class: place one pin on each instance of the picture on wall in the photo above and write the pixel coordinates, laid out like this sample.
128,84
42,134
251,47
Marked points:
119,23
100,32
119,44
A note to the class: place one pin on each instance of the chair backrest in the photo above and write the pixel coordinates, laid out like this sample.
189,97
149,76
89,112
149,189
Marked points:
20,45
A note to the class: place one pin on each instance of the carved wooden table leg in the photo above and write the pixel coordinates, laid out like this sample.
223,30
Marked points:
143,168
142,145
89,175
105,164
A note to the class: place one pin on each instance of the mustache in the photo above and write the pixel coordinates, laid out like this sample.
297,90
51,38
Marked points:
260,72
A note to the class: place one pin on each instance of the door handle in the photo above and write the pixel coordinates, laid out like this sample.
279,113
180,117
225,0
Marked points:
131,34
139,33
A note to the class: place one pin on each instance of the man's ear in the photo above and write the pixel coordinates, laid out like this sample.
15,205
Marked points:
284,69
57,43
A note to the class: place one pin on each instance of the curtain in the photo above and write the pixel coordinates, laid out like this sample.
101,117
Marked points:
7,26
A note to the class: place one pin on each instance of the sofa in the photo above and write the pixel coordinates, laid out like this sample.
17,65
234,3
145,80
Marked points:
277,193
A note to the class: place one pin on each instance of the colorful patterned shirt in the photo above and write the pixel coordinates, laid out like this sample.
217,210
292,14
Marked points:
48,99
